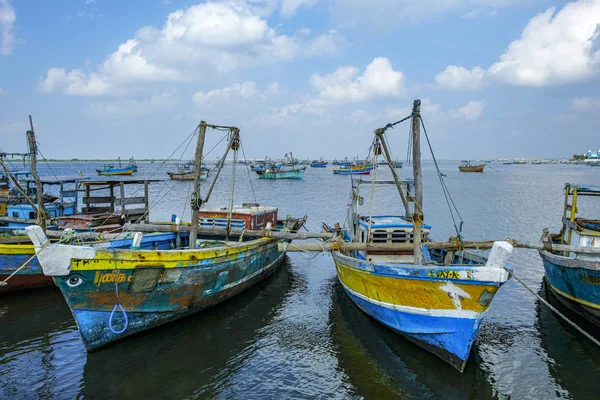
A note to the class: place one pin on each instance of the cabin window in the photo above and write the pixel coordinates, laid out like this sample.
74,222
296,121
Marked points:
399,236
362,236
380,236
32,215
15,214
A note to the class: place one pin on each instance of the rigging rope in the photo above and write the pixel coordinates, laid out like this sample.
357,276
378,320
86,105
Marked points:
447,195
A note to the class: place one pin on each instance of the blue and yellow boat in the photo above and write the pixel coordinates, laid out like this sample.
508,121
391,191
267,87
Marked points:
435,298
574,277
111,170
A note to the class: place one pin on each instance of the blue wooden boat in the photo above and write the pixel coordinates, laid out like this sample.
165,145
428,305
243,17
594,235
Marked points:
434,298
398,164
114,293
111,170
574,277
319,163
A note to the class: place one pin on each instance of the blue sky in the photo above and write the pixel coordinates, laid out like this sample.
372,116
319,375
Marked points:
108,78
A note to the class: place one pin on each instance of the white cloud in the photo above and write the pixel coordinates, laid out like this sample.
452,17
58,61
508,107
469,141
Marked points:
76,83
273,89
2,92
554,48
200,41
89,1
586,103
470,111
460,78
238,90
7,19
343,86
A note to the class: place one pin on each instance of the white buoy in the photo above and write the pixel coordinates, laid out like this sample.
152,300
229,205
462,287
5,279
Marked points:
137,240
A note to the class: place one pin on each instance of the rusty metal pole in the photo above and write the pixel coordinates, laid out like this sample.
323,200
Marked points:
418,204
196,193
38,184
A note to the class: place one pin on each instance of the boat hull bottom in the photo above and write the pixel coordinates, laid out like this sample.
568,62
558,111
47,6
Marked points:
94,325
448,338
25,281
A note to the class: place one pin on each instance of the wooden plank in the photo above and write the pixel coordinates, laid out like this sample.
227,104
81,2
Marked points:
97,200
69,193
131,200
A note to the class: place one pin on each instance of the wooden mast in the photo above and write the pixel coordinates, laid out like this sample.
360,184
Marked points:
38,184
196,193
418,199
379,132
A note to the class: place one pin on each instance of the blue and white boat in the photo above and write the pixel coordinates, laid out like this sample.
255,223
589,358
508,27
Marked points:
574,277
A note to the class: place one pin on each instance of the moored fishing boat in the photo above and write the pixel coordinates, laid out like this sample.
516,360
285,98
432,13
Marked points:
186,173
319,163
111,170
574,277
114,293
467,166
435,298
352,170
280,172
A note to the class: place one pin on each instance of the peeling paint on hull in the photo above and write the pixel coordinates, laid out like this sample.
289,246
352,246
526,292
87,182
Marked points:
153,296
441,315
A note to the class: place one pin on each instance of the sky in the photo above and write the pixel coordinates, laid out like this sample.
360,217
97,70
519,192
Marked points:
110,78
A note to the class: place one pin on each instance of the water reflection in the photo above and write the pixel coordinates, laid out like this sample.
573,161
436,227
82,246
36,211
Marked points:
196,357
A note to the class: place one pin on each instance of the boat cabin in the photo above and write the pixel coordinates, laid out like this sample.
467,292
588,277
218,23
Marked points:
388,229
578,231
250,216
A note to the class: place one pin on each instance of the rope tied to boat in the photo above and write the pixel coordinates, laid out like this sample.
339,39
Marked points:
118,304
195,201
552,308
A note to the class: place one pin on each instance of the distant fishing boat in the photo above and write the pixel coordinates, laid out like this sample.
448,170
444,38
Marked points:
467,166
293,172
186,173
574,277
398,164
111,170
115,293
353,170
435,298
319,163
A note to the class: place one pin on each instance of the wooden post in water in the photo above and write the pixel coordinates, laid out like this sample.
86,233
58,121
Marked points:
417,216
196,192
38,184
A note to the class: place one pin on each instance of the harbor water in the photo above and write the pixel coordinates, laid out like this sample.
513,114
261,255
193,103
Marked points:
297,334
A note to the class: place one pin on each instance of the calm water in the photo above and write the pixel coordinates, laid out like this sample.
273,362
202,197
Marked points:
297,335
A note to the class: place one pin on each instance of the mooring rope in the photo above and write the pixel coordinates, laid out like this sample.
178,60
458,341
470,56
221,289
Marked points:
118,304
540,298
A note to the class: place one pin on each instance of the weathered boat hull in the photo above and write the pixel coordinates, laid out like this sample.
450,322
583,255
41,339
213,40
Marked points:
157,287
440,308
473,168
293,174
575,282
12,256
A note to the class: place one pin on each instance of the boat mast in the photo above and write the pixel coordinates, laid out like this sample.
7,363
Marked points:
379,132
196,199
417,216
38,184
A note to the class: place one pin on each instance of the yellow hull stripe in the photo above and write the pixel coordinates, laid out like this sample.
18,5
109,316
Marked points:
130,259
6,249
576,300
416,293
